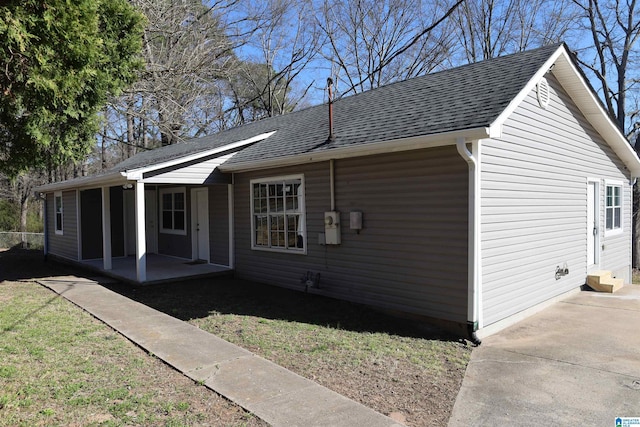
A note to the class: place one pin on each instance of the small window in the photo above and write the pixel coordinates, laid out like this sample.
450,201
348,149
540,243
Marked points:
613,208
278,214
173,213
57,203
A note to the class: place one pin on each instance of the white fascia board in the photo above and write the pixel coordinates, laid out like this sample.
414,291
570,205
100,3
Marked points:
496,126
137,174
396,145
120,178
590,105
114,178
573,81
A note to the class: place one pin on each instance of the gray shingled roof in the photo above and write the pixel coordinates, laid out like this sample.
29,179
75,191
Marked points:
466,97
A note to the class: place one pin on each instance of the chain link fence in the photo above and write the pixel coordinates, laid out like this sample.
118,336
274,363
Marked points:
10,239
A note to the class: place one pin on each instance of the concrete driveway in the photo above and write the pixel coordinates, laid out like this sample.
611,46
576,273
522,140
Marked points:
574,363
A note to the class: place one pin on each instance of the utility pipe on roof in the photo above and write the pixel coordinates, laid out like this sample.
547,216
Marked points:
331,137
474,310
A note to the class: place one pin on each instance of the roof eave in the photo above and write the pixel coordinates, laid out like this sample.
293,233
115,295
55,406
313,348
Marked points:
579,89
138,173
390,146
113,178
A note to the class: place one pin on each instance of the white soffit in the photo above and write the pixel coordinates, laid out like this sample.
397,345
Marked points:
589,104
195,174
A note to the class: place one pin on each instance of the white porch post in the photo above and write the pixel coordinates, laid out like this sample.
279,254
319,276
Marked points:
106,228
141,247
230,206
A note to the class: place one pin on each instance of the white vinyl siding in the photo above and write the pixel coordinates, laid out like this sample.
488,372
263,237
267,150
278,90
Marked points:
173,211
534,205
278,217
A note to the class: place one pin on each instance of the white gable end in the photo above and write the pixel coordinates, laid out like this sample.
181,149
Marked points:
196,174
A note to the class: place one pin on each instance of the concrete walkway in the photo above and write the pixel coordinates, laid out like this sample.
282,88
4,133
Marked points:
265,389
574,363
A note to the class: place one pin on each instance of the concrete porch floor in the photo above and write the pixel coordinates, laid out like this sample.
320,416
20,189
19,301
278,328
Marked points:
160,269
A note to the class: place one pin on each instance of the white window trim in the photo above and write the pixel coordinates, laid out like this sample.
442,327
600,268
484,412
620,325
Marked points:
303,209
58,231
614,231
172,190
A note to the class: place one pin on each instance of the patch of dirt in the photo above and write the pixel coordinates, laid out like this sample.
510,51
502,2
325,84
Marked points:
395,387
249,315
421,400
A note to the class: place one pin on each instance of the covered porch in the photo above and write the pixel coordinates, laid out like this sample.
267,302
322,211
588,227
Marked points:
160,223
159,269
158,216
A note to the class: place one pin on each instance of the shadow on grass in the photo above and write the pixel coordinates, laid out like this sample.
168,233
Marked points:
197,299
23,264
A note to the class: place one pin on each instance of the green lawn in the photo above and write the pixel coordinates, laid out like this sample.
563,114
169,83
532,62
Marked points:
60,366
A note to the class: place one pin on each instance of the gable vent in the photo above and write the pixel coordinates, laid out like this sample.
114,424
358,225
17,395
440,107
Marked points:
543,93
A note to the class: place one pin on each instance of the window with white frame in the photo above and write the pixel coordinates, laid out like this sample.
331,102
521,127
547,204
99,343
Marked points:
173,216
278,214
59,214
613,207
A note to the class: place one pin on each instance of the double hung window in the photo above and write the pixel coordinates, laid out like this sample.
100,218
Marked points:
173,216
278,214
613,207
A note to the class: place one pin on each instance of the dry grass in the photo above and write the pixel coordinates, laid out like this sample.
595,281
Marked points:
386,363
61,367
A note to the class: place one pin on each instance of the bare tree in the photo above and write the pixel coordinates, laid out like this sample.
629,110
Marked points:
614,27
282,44
19,191
490,28
186,50
375,42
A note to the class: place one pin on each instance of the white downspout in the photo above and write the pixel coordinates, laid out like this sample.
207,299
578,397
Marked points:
474,299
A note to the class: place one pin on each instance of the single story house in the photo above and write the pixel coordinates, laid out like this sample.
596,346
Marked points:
472,196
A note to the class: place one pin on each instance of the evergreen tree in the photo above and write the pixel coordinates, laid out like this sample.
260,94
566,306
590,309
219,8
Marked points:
60,60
